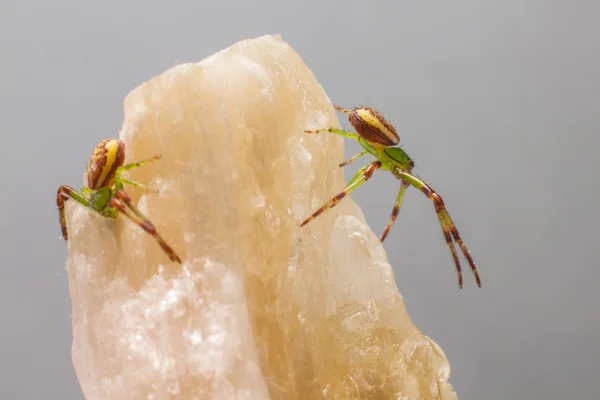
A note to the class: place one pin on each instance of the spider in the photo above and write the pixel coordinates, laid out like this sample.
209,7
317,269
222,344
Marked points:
379,138
104,190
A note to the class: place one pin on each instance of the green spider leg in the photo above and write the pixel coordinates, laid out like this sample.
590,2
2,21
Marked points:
361,176
395,211
448,226
356,157
119,180
137,185
337,131
137,164
351,135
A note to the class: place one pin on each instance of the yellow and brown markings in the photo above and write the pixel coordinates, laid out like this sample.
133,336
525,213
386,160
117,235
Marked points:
372,127
108,155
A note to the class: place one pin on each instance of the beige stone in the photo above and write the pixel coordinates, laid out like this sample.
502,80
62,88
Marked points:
260,308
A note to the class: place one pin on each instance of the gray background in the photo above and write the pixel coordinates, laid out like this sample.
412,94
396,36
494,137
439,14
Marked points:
498,102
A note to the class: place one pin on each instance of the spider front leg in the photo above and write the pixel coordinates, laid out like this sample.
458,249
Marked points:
137,164
122,203
120,180
351,135
66,192
363,175
337,131
448,227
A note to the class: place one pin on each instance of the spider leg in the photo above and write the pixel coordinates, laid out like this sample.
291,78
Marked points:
137,185
395,211
356,157
137,164
448,226
122,202
342,109
120,180
337,131
363,175
450,243
66,192
351,135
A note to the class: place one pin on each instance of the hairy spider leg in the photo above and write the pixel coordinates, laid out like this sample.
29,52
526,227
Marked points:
66,192
448,226
363,175
395,210
356,157
122,203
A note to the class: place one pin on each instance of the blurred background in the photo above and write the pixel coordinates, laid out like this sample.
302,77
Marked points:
497,102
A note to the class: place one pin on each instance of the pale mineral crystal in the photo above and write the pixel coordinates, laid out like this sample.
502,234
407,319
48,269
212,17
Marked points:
260,308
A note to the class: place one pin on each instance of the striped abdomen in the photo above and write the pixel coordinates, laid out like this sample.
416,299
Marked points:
372,127
108,155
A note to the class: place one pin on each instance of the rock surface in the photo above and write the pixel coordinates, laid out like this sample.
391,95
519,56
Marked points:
260,308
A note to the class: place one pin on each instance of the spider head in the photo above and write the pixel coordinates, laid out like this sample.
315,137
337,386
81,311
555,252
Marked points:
372,127
108,155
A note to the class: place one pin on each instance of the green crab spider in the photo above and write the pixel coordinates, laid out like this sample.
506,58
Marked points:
379,138
104,190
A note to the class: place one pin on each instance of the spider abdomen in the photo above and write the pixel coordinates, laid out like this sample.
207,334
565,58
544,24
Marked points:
108,155
372,127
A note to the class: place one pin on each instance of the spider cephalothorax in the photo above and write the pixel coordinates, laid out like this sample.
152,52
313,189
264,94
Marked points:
379,138
104,192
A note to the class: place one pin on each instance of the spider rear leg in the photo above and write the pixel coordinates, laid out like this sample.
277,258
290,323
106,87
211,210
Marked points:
450,243
448,226
66,192
122,203
363,175
356,157
395,211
